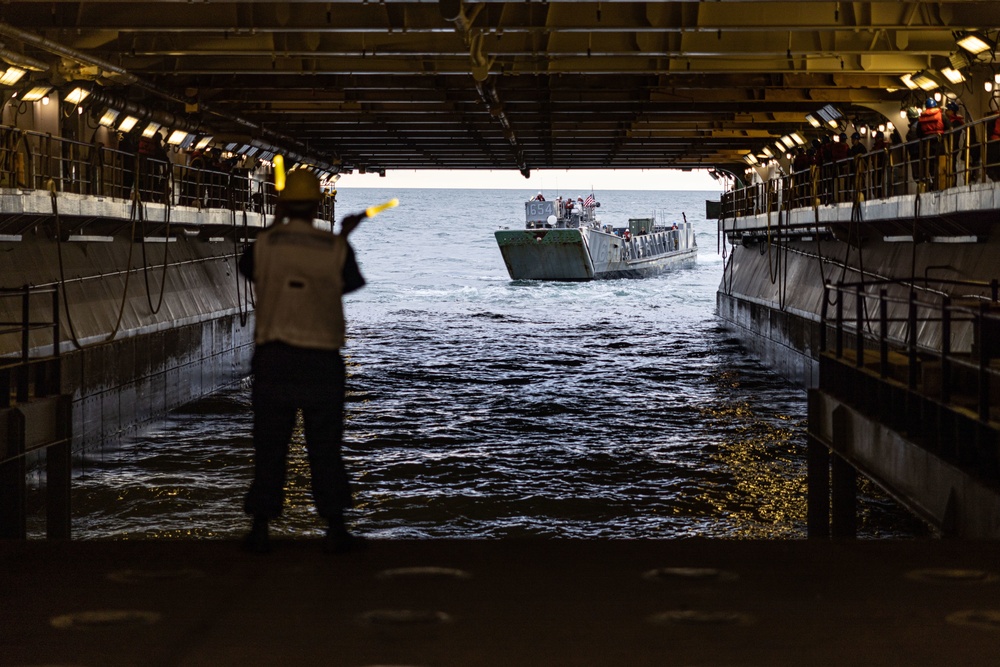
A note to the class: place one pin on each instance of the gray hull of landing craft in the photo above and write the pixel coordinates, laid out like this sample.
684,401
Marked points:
590,254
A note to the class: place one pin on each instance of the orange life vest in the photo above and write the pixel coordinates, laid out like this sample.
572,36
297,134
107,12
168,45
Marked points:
931,122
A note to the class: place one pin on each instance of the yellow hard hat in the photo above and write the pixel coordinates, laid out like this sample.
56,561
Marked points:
301,185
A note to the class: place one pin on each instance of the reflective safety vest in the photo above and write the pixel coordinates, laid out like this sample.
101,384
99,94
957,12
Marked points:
931,122
298,278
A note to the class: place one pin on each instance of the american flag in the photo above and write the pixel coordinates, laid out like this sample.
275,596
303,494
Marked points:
589,201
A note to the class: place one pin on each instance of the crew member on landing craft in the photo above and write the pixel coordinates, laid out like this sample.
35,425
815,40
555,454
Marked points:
931,125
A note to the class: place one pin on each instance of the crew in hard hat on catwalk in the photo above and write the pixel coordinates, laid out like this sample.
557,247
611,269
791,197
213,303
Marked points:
299,274
931,126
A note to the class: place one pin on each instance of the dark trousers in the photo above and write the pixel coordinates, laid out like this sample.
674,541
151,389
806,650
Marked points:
276,402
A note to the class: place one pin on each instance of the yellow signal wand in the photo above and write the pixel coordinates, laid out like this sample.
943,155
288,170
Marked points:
372,211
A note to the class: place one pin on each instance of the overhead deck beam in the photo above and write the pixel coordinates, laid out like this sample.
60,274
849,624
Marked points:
391,82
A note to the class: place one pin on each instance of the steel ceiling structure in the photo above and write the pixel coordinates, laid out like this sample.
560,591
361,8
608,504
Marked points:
382,85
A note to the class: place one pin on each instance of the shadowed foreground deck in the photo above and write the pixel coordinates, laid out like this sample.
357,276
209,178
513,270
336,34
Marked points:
511,602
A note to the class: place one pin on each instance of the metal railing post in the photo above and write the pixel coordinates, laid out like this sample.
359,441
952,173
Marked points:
22,372
912,341
946,349
883,333
859,340
839,336
822,317
983,376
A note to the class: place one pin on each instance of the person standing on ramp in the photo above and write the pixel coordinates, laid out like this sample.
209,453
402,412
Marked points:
300,274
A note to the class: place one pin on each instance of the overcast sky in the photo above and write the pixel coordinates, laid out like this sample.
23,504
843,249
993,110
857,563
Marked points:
544,180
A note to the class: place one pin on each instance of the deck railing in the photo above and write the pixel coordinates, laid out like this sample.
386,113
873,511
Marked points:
21,374
30,160
961,156
868,312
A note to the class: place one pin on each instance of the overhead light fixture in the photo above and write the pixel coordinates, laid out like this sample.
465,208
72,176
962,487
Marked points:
76,96
203,142
151,130
813,120
797,138
958,60
907,80
788,141
109,117
177,137
830,114
925,80
128,124
953,75
975,43
749,158
12,76
36,93
767,151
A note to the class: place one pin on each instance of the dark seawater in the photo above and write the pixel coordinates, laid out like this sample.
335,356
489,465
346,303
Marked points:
480,407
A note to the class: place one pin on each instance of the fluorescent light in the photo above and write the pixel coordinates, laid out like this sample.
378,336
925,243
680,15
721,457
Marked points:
150,130
975,43
958,60
953,75
907,79
202,143
788,141
767,151
108,119
11,76
76,96
797,138
128,124
177,137
36,93
812,120
925,81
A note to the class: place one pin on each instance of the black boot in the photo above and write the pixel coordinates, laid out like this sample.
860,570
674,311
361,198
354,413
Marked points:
256,540
340,541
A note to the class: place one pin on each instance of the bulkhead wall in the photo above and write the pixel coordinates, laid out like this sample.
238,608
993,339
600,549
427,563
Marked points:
773,293
138,338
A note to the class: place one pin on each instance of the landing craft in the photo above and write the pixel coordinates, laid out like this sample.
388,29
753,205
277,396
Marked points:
571,244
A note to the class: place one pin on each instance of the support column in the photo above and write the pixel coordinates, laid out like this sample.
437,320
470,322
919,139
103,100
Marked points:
843,478
817,489
844,498
59,474
13,486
